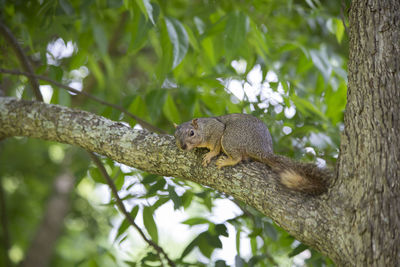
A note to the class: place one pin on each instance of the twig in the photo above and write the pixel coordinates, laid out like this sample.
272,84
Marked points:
342,8
122,208
143,123
26,65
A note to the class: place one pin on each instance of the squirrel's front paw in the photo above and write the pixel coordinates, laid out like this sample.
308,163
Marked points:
206,159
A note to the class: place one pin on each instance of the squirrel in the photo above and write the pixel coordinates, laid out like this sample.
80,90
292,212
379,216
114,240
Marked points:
242,137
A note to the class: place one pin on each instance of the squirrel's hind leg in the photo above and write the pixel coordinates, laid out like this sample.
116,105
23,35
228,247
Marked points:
227,161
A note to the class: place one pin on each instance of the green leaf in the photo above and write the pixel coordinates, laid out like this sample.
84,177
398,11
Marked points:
179,39
235,32
189,247
139,31
270,231
165,54
66,7
161,201
307,107
175,198
256,38
320,60
100,37
253,245
149,223
170,110
157,186
151,257
206,199
297,250
154,100
134,212
96,70
258,259
139,108
239,262
238,232
64,98
196,221
336,103
192,38
96,175
56,73
150,178
213,240
256,232
221,230
122,228
339,30
119,178
187,198
221,263
204,244
147,9
208,47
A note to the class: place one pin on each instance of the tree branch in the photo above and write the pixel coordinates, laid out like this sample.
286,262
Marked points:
122,208
26,65
143,123
312,220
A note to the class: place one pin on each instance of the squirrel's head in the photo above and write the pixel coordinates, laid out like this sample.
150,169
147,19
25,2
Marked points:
187,135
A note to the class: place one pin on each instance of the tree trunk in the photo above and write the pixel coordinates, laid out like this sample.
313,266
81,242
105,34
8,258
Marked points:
368,168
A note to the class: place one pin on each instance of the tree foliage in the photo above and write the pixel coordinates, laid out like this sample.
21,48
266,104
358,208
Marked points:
165,62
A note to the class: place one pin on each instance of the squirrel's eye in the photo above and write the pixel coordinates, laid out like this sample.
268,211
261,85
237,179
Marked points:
191,133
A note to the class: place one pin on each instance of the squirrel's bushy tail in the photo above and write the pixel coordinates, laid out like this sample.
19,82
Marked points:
304,177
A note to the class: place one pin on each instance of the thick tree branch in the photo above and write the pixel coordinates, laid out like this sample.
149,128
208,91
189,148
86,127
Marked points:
312,220
26,65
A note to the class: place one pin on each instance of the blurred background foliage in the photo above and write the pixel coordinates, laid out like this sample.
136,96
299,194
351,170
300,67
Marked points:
169,61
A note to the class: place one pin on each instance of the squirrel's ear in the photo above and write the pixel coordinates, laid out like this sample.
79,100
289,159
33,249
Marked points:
175,125
194,123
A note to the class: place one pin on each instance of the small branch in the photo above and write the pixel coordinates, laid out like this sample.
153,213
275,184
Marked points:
342,8
122,208
26,65
143,123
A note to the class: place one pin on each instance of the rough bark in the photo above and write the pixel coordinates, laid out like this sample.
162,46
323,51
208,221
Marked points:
369,168
307,218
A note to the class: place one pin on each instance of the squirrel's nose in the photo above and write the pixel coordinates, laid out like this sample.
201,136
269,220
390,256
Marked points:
183,146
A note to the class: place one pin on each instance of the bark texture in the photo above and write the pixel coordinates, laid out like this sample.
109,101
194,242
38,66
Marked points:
369,168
